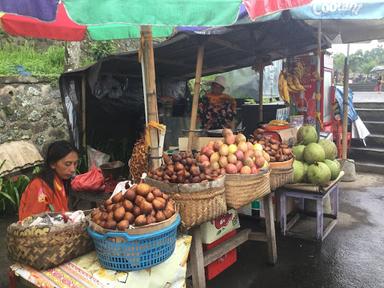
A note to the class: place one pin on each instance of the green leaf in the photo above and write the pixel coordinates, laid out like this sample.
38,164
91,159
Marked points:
8,197
17,196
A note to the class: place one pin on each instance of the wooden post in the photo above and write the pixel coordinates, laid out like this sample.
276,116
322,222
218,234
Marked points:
344,143
318,80
197,259
196,94
270,229
83,113
261,93
149,83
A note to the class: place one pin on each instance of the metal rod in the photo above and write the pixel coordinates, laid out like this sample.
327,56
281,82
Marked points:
318,80
345,107
261,89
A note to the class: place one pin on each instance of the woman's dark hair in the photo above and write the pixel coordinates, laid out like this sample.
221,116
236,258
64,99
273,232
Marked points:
56,151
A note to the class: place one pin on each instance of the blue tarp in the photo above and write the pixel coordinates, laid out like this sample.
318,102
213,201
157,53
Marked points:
352,114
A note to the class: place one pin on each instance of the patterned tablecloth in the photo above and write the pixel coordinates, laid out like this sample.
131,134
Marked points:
86,272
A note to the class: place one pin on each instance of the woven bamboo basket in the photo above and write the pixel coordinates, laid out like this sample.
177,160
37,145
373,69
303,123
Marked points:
280,177
44,247
197,203
241,189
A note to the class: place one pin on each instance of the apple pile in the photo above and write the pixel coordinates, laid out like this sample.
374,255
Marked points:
233,156
183,168
277,151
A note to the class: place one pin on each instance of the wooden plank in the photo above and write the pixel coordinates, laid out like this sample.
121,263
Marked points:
197,259
293,221
270,229
258,236
196,94
261,92
329,228
219,251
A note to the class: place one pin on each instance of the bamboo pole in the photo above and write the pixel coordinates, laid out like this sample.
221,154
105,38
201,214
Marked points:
261,90
196,93
83,114
345,108
149,83
318,80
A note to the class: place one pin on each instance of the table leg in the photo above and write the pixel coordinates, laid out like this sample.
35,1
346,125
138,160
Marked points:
335,201
283,213
270,229
197,259
320,219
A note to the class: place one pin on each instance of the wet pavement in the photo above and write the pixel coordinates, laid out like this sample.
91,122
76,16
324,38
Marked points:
351,256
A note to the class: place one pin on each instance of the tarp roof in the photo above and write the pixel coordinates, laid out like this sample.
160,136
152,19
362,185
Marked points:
226,48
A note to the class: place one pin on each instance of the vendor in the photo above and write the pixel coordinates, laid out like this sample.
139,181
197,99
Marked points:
217,110
48,191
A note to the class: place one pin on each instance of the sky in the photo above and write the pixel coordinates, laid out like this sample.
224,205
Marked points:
342,48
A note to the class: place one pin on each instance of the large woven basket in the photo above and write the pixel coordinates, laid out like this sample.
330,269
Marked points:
280,177
44,247
197,203
242,189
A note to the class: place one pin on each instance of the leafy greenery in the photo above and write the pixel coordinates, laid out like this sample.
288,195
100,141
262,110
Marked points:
10,191
360,62
39,63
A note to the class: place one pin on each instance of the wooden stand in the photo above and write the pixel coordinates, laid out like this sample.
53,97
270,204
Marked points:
198,259
321,231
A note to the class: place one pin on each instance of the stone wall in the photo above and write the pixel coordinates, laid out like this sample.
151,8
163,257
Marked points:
31,109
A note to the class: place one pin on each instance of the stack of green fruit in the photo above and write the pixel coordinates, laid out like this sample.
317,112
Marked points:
315,161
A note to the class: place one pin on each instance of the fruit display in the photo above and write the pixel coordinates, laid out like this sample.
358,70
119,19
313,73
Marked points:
277,151
139,205
183,168
138,164
233,156
289,82
314,160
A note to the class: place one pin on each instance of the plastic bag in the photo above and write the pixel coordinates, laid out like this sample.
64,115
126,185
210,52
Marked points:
93,180
96,158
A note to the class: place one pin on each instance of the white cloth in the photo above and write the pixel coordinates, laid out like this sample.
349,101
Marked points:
359,130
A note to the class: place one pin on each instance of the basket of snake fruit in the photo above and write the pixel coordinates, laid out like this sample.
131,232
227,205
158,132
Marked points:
47,240
279,155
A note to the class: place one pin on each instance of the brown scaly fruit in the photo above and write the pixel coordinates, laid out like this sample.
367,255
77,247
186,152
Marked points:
138,164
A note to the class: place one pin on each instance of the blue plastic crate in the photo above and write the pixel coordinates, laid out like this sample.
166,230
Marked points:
123,252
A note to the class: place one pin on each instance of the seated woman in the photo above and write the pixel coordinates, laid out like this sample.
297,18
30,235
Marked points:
48,191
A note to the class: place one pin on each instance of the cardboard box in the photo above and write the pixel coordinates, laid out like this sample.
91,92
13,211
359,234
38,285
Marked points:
213,230
218,266
198,143
288,136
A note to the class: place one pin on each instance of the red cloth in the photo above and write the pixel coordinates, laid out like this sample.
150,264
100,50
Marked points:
257,8
38,196
62,28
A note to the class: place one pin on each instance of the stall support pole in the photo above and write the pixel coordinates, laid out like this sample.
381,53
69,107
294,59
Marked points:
318,80
345,108
149,83
261,89
196,93
83,114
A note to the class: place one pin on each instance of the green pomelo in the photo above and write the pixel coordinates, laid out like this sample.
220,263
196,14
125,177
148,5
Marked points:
305,179
298,171
307,134
330,148
319,174
314,153
298,151
334,166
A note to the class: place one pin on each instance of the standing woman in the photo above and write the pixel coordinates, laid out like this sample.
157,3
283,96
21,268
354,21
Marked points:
49,190
378,84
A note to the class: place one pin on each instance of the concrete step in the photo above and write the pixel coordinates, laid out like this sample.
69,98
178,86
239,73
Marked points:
372,141
366,87
362,154
375,127
370,114
368,105
369,167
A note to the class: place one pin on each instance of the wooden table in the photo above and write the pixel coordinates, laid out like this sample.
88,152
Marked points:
321,231
199,259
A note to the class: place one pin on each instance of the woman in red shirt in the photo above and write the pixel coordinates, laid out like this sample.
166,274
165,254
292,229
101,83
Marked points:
48,191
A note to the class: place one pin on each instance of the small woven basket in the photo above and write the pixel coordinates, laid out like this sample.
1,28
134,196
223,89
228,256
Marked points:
197,203
44,247
241,189
280,177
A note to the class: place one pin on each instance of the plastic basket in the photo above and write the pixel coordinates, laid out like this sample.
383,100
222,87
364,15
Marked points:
123,252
